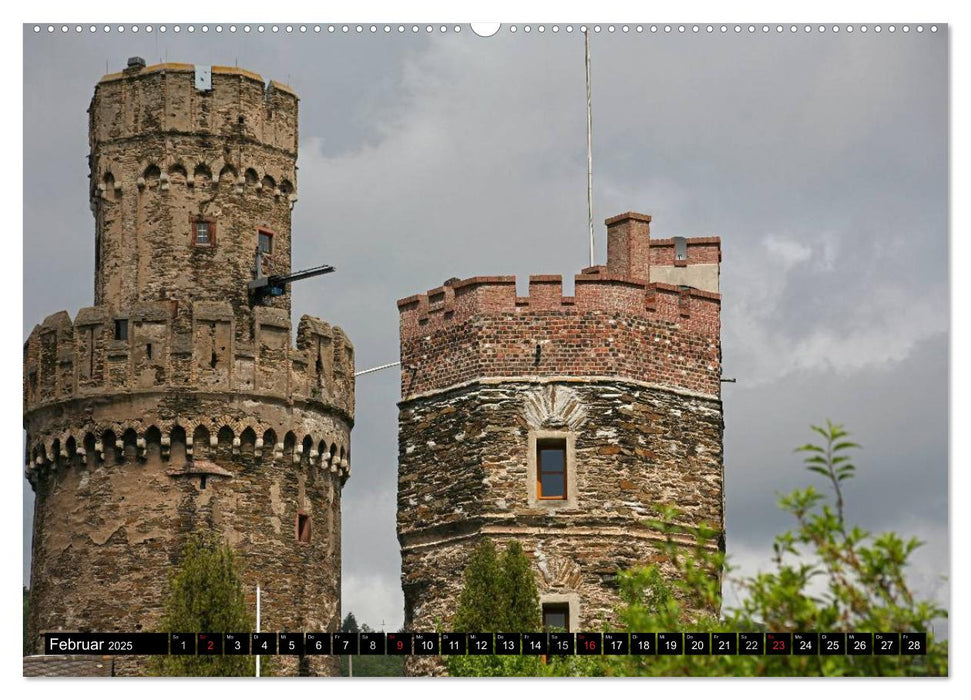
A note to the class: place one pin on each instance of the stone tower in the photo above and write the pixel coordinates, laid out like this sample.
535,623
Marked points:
559,422
176,404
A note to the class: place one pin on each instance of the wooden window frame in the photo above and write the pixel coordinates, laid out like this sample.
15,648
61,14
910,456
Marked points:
272,234
533,488
193,220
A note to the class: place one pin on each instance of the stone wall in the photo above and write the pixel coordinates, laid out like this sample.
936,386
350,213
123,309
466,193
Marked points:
187,348
116,500
463,474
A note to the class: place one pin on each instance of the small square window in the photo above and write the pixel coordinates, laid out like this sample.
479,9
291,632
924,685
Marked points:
551,469
202,233
556,617
303,527
266,243
121,329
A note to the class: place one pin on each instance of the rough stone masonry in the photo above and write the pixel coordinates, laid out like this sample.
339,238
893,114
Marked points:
623,378
176,404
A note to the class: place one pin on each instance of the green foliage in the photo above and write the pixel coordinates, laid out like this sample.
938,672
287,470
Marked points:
825,576
498,595
499,592
206,595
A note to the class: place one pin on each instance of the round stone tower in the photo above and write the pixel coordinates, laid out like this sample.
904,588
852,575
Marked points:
560,422
177,404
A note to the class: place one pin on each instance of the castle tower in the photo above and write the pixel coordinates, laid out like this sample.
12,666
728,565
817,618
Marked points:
559,422
176,404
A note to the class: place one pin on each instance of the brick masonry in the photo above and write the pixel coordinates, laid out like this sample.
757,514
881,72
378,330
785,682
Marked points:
202,416
629,368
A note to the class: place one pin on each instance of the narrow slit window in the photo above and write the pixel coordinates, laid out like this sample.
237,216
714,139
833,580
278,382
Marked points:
91,342
556,617
121,329
303,527
551,471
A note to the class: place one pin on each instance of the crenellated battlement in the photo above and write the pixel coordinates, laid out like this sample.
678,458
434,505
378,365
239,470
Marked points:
652,314
165,98
457,301
155,346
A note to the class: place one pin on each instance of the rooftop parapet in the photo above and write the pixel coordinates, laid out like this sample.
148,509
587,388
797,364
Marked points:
619,322
171,98
595,291
100,354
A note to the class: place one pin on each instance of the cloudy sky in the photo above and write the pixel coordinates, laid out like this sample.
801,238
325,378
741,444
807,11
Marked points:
821,160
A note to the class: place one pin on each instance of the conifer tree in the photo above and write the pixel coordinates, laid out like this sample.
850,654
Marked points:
521,611
206,595
498,595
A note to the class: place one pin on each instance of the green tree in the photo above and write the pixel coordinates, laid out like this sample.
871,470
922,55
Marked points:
498,595
206,595
859,578
350,623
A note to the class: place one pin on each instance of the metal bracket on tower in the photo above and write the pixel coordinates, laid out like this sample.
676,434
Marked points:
264,286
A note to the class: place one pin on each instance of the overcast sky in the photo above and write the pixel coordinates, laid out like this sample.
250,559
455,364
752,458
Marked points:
821,160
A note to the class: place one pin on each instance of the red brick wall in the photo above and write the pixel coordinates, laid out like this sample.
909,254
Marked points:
701,250
612,327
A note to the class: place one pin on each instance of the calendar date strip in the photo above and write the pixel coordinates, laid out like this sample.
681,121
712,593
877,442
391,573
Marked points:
488,643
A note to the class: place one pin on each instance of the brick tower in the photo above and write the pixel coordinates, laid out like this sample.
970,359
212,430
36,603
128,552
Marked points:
176,403
558,422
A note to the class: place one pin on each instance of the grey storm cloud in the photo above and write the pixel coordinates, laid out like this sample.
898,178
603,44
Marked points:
820,160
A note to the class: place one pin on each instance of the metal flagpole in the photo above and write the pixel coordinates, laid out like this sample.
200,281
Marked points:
586,46
257,626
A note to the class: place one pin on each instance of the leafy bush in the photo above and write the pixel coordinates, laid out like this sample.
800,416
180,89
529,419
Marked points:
825,576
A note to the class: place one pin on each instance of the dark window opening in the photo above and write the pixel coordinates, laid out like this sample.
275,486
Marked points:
319,365
121,329
213,361
148,350
556,617
266,242
202,482
303,527
551,469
